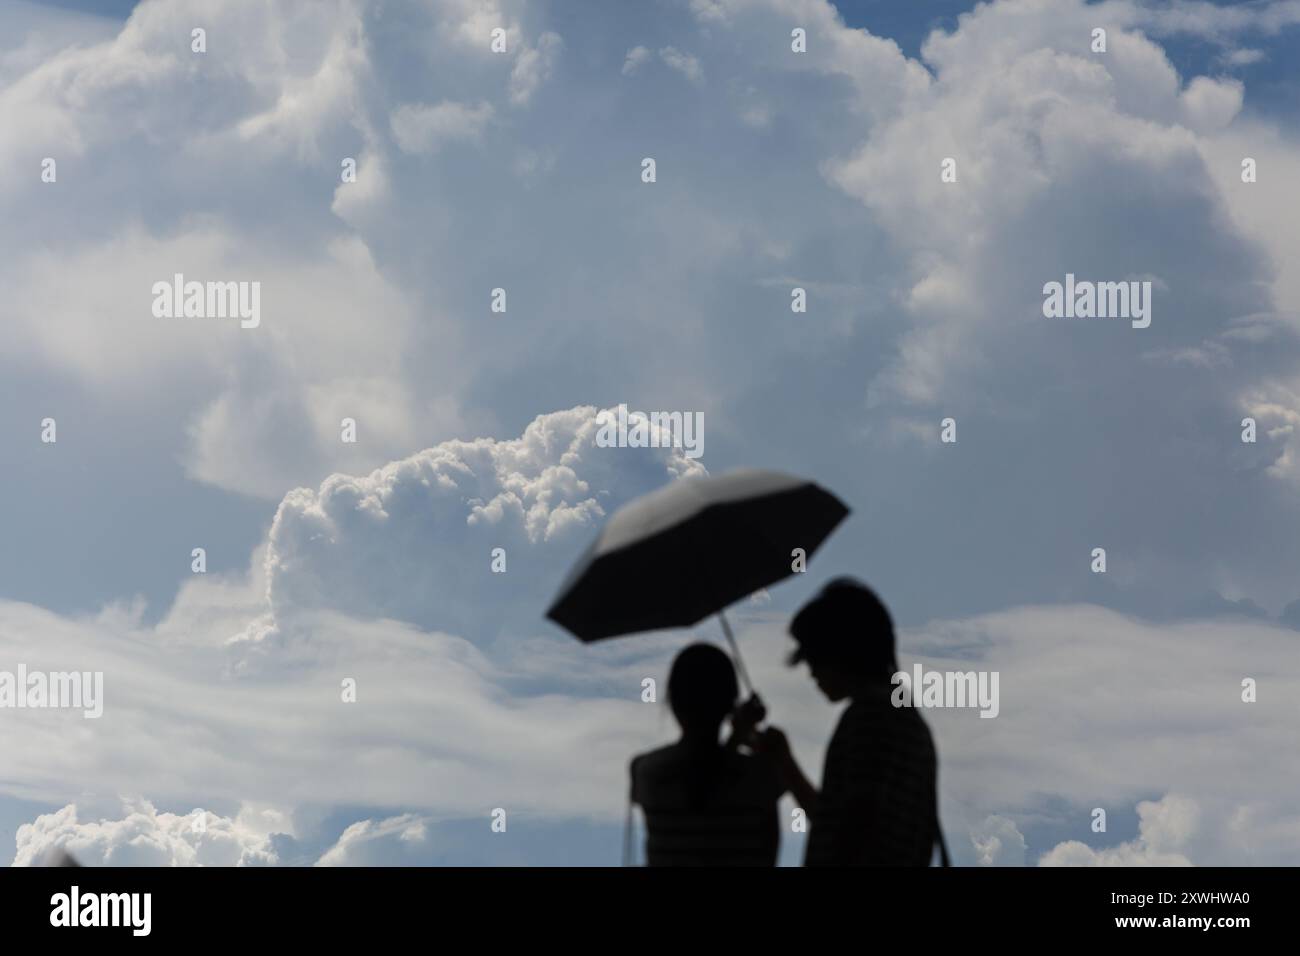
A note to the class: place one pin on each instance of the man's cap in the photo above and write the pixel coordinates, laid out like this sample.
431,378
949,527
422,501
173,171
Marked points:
847,613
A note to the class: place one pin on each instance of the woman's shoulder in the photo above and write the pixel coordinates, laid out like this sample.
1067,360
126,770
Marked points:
653,760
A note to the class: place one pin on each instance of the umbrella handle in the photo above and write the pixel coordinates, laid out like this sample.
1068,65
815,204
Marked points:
735,651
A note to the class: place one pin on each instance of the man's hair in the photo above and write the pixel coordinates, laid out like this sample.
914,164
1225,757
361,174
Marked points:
848,627
702,686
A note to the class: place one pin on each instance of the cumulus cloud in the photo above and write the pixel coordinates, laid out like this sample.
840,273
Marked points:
1058,669
1030,118
1053,148
1165,827
1210,104
997,842
142,836
397,542
281,109
377,842
886,81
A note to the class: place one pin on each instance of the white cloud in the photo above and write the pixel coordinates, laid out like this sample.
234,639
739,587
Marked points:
423,129
887,82
144,837
398,542
1210,104
215,140
1243,56
1212,21
34,32
707,10
377,842
685,64
1165,828
356,202
446,712
1071,162
997,842
636,57
472,22
1177,693
436,725
533,67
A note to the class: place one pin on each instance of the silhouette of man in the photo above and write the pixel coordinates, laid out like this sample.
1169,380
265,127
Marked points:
705,802
877,804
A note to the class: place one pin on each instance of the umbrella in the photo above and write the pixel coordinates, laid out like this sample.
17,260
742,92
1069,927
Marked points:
683,552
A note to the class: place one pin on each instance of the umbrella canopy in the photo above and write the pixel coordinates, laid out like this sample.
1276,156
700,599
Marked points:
689,549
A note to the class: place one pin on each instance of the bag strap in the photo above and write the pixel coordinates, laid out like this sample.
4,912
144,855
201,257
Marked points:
938,837
627,834
628,850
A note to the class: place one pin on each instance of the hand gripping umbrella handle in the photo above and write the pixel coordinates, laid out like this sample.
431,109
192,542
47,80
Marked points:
735,652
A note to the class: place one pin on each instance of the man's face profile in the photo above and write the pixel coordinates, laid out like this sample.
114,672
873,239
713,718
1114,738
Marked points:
829,679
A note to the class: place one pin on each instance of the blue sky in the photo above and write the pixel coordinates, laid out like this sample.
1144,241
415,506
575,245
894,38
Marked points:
522,171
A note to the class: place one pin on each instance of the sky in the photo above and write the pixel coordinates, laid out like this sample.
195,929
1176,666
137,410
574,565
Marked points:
370,561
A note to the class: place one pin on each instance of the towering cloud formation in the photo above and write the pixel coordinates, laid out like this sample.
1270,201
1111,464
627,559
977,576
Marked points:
1165,827
414,540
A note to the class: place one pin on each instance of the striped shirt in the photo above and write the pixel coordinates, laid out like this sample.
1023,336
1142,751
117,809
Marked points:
877,801
707,807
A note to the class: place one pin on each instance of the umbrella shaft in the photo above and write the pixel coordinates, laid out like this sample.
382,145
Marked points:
735,651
